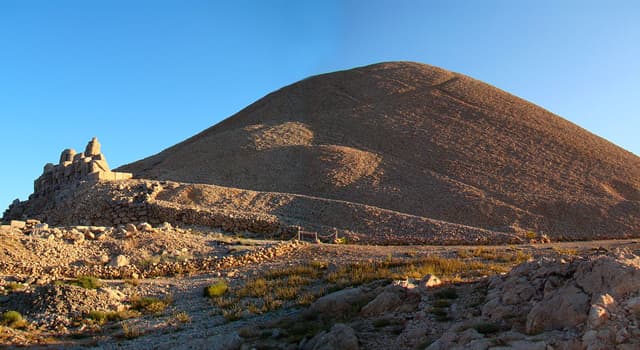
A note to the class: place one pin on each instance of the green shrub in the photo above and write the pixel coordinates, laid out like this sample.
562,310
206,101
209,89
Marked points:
88,282
13,319
14,286
103,316
183,317
216,290
150,304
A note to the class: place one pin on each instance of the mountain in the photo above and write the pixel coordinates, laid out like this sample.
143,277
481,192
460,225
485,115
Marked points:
418,140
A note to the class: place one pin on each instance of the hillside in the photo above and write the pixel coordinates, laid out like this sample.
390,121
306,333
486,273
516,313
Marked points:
419,140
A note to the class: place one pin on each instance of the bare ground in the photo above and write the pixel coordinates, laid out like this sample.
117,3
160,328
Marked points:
194,321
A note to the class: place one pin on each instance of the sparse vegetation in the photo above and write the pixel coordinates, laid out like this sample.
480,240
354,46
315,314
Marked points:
88,282
565,251
305,298
102,317
182,317
150,304
495,254
223,302
216,290
302,284
13,319
130,331
14,287
340,240
232,313
134,282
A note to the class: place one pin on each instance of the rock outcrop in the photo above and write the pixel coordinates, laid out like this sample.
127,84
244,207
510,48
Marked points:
587,303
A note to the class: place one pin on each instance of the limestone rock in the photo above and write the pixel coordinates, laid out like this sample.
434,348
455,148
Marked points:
119,261
633,305
76,236
130,228
567,308
383,303
340,337
339,304
18,224
145,227
104,258
230,341
429,281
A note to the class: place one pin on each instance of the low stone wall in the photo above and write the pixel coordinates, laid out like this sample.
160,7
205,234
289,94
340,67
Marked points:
107,203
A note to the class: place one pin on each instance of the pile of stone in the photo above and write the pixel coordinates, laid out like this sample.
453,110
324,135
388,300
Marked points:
75,234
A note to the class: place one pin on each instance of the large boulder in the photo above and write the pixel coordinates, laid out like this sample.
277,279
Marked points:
398,296
340,337
568,307
341,304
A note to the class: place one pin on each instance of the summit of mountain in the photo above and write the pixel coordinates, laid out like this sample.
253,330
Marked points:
419,140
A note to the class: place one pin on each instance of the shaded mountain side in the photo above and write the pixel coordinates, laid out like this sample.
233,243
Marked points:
420,140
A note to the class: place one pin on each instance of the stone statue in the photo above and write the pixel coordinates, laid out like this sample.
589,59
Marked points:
93,148
67,155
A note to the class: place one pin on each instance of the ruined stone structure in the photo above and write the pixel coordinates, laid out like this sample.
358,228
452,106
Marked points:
73,168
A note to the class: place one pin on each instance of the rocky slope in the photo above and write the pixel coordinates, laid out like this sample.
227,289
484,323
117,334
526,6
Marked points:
418,140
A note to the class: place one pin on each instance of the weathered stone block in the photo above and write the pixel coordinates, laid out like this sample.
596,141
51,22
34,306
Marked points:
18,224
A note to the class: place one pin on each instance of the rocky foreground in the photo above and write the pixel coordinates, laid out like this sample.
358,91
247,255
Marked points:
135,287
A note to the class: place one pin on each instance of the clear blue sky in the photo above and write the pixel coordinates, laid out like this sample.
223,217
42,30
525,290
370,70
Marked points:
144,75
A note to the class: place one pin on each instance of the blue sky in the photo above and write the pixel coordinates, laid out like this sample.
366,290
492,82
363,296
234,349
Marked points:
144,75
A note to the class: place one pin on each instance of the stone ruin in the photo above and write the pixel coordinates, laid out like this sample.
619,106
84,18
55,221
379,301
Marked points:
74,168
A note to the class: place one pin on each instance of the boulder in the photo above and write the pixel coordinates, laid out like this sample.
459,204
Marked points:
119,261
340,337
17,224
383,303
145,227
130,228
429,281
340,304
228,341
567,308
